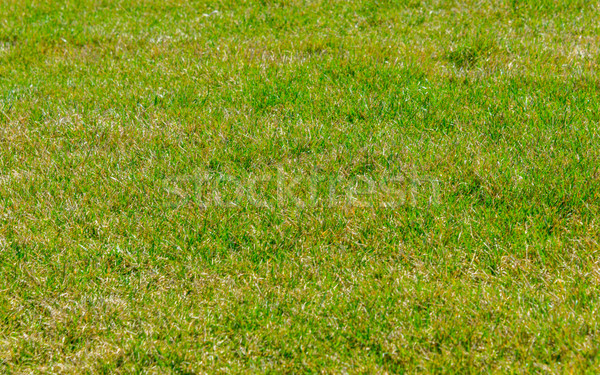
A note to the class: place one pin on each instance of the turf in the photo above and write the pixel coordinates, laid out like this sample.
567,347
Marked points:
299,186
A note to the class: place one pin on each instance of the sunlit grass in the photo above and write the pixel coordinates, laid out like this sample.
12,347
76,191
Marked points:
362,187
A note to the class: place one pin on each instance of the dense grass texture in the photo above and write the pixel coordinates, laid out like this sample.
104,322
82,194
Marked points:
299,186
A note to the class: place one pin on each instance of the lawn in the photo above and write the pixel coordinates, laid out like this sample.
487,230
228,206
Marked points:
299,186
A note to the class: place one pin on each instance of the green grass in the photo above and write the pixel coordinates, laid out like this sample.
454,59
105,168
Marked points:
299,186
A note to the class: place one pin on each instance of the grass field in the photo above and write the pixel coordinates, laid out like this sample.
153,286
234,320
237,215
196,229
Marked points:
299,186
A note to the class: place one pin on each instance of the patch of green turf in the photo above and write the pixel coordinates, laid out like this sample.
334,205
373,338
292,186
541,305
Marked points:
299,186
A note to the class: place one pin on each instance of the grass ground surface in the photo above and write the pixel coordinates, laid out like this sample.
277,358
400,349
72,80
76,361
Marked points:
299,186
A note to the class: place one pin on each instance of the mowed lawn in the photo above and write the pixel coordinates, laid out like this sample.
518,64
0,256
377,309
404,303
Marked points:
299,186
